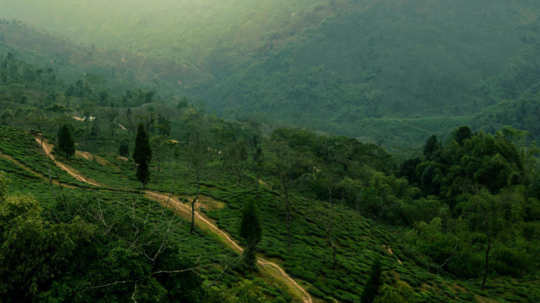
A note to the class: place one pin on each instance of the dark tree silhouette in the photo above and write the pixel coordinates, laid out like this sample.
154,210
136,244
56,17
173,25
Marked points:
250,231
124,149
65,141
371,290
463,133
142,155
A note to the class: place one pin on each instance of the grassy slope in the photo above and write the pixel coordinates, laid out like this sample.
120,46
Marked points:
359,240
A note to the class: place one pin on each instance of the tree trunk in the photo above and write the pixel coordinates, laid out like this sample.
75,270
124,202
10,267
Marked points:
193,205
239,174
288,206
158,167
487,258
257,183
288,227
334,253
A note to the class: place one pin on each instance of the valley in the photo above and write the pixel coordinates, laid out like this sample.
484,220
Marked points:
279,151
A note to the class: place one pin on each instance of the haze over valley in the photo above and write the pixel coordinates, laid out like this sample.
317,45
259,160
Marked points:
239,151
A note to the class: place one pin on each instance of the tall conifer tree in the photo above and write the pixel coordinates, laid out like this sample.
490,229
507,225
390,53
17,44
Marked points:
65,141
371,289
142,155
250,231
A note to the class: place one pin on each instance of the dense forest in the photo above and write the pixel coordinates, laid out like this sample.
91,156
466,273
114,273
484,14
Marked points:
386,72
292,151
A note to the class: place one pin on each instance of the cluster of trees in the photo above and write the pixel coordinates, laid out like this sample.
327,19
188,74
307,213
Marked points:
477,206
470,204
124,256
53,102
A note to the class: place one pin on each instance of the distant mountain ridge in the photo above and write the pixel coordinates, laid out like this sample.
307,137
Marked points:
348,67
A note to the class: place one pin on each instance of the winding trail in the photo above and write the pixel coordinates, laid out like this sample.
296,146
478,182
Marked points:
165,73
200,219
47,148
121,126
41,176
172,202
137,55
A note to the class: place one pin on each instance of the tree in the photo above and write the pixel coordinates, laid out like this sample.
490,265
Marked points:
248,292
432,147
237,155
535,187
197,152
124,255
461,134
142,155
483,211
7,114
33,249
327,221
371,289
259,159
250,230
124,148
94,131
328,154
38,120
129,117
65,141
287,167
401,294
157,144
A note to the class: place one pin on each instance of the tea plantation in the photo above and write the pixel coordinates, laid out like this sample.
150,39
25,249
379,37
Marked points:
310,258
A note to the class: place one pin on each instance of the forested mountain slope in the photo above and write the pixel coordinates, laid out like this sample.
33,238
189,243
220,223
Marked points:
350,67
329,207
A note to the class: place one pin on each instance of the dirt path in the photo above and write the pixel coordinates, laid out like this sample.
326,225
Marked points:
72,172
121,126
81,154
201,220
42,177
174,203
140,65
414,126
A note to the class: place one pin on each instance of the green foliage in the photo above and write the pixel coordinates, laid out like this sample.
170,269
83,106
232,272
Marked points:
34,249
124,148
401,294
250,231
65,141
371,288
4,186
535,187
461,134
431,213
142,155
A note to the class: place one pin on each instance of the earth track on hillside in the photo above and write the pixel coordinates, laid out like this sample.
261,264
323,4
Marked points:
47,148
174,203
200,219
41,176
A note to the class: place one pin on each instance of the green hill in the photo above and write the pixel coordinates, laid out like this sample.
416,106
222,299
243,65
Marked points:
309,259
329,65
452,212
